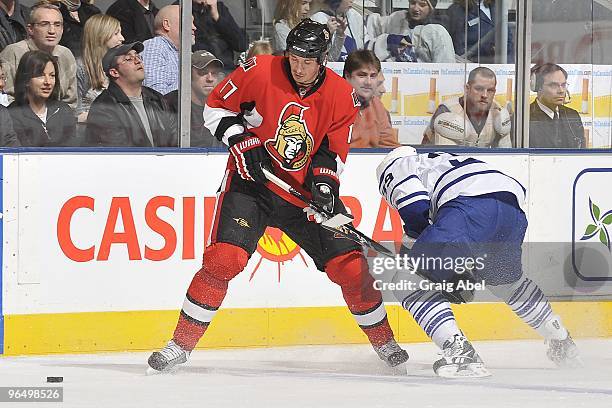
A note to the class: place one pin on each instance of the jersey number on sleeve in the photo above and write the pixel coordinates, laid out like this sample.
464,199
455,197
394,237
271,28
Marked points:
228,89
386,182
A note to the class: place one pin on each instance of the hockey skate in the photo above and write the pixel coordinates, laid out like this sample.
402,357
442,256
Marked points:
564,353
167,358
392,354
460,360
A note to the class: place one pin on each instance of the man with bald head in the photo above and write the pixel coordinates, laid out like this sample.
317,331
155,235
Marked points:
161,53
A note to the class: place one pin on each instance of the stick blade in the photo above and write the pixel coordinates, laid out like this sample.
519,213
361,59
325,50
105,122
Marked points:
380,249
338,220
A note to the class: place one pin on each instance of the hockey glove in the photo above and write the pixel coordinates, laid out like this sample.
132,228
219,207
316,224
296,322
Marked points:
249,156
325,192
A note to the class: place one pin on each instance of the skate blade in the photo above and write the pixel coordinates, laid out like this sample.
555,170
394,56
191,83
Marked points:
152,371
571,363
473,370
399,370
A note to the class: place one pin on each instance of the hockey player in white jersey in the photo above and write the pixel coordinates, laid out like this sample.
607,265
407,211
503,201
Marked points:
456,206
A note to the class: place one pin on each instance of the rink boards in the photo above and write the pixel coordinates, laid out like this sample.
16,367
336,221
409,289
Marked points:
98,250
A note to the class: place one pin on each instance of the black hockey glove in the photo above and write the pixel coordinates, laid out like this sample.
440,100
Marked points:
325,189
249,156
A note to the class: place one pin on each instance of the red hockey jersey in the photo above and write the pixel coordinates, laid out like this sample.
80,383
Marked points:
260,97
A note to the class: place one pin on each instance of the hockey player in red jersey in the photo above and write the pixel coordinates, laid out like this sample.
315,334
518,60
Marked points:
294,116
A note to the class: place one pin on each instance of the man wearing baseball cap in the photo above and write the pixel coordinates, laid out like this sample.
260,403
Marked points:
206,73
127,113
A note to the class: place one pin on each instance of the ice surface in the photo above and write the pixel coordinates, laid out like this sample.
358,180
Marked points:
321,376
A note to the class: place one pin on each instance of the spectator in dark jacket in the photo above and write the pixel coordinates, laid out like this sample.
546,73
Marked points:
480,45
13,21
136,17
217,31
75,13
206,73
127,113
8,138
39,118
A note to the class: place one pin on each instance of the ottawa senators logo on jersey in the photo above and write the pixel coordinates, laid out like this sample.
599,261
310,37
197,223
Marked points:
293,143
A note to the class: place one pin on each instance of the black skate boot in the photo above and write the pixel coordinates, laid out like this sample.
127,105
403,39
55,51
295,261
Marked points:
564,353
167,358
392,354
460,360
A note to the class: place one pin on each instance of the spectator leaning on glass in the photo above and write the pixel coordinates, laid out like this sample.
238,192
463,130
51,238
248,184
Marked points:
161,53
551,123
475,119
346,26
206,73
480,20
39,118
410,35
45,30
136,18
13,20
127,113
217,31
372,126
288,14
75,14
101,33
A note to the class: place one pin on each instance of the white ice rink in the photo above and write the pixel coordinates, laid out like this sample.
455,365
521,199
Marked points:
321,376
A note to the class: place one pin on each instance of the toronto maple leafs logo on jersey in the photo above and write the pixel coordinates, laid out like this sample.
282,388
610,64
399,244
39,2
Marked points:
293,143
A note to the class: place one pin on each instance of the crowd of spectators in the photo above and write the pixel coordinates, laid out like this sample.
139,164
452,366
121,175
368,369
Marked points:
71,75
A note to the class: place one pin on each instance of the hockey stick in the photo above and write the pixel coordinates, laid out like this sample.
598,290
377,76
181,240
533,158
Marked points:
340,224
337,223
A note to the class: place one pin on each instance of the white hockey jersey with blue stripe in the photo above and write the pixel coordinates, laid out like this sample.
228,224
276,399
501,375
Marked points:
438,178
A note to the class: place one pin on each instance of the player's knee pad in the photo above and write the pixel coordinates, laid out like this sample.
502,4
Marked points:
224,261
506,290
348,270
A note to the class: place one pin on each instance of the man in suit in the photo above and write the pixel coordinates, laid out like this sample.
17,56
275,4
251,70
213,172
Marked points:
551,123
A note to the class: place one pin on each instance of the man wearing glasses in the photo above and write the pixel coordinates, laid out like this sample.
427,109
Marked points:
127,113
44,33
551,123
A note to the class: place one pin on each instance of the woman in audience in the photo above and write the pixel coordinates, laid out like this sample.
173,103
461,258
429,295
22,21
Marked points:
39,117
101,33
346,26
411,35
286,16
480,46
